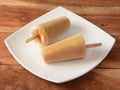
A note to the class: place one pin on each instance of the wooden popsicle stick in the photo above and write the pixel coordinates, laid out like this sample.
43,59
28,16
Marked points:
93,45
31,38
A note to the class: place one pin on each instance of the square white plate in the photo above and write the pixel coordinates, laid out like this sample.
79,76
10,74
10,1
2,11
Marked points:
29,55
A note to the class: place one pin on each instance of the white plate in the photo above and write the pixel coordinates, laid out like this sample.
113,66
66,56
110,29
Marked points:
29,55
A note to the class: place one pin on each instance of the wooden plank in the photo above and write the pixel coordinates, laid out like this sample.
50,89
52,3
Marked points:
109,73
100,3
112,60
8,29
14,78
5,56
21,16
8,60
79,2
18,16
87,10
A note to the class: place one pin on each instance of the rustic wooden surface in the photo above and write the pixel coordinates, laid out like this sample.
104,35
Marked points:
16,13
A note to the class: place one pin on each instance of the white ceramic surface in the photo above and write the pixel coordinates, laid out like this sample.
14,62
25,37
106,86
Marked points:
29,55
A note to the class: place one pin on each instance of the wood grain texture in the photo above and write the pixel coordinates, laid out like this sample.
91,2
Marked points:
17,78
81,3
16,13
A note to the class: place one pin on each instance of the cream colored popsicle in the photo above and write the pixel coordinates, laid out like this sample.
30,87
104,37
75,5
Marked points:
71,48
50,30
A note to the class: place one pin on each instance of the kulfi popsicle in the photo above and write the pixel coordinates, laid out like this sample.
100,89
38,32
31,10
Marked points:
50,30
71,48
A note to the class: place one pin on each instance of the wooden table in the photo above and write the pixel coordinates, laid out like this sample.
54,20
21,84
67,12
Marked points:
16,13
